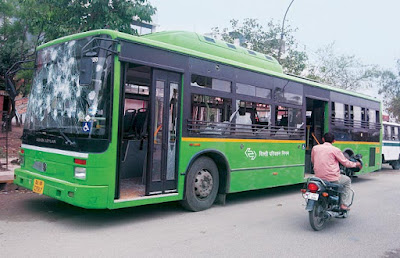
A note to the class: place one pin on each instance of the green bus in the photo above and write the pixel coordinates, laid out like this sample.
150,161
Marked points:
116,120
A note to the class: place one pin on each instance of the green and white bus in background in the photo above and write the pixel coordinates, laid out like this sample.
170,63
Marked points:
116,120
391,144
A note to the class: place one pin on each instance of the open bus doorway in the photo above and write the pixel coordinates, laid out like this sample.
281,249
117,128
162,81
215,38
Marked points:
134,113
148,134
315,121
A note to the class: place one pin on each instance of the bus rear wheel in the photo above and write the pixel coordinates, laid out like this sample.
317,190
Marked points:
395,164
202,181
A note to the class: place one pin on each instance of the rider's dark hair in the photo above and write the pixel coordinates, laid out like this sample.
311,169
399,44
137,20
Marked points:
329,137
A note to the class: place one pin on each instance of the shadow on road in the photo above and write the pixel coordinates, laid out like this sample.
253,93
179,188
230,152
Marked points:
255,195
32,207
56,211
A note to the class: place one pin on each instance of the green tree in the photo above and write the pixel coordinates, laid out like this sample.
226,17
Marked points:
28,23
340,70
390,89
253,35
13,43
50,19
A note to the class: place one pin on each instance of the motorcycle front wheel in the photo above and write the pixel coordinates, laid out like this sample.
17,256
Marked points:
317,217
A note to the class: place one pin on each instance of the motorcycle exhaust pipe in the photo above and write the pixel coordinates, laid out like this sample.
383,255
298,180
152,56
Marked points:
331,214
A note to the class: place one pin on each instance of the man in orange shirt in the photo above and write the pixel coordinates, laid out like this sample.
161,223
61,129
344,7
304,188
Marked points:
326,158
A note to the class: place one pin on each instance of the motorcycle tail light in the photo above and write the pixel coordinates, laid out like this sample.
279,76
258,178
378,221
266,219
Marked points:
312,187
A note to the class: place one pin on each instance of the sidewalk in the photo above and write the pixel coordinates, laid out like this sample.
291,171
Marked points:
7,175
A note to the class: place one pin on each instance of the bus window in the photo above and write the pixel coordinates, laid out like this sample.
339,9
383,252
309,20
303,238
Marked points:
245,89
212,83
250,90
351,115
288,120
363,117
263,115
263,93
357,116
281,116
339,110
346,112
209,113
392,133
386,132
372,119
252,117
377,116
288,91
245,117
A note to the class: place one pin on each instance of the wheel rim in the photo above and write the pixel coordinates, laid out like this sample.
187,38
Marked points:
203,184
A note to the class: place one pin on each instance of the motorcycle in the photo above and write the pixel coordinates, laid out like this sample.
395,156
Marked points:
323,198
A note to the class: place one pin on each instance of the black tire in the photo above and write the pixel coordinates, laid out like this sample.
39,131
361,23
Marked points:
202,181
317,217
395,165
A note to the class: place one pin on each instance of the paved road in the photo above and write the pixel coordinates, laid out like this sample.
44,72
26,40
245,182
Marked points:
266,223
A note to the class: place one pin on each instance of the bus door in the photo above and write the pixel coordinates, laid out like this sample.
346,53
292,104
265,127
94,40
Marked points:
315,121
162,173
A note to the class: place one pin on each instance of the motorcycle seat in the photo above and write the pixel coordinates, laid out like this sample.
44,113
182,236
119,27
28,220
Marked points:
334,186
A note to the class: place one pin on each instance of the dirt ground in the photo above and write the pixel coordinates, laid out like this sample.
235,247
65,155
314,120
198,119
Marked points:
14,143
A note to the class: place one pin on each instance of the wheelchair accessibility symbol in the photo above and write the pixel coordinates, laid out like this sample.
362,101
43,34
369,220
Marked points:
86,126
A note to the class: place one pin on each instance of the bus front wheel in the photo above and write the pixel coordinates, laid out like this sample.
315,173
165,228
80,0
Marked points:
202,181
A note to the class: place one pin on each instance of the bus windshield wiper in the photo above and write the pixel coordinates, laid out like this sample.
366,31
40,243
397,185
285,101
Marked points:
68,141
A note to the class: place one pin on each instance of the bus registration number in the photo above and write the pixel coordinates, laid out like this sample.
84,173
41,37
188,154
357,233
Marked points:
38,186
311,196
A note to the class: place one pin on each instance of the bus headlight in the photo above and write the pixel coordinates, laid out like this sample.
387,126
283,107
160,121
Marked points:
80,173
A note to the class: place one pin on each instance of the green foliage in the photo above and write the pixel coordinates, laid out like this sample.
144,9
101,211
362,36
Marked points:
341,71
13,42
51,19
390,89
28,23
266,40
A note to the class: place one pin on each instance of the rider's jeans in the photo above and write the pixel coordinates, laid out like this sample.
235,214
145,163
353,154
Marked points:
346,182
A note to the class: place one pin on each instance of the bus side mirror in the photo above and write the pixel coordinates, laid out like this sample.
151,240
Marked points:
86,71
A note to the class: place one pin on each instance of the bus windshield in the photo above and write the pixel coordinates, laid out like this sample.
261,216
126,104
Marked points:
63,112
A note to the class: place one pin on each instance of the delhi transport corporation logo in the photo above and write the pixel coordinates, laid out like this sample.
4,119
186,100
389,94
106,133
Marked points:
250,154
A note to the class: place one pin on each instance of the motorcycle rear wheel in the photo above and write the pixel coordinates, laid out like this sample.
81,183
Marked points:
317,217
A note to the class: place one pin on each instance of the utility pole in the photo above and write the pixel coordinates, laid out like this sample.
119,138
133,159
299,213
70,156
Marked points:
282,32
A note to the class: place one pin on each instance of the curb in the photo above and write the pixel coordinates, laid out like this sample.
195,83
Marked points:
6,176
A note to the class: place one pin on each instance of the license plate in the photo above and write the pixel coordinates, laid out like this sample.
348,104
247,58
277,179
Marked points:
311,196
38,186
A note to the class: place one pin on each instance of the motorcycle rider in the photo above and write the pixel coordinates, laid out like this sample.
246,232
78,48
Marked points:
326,158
